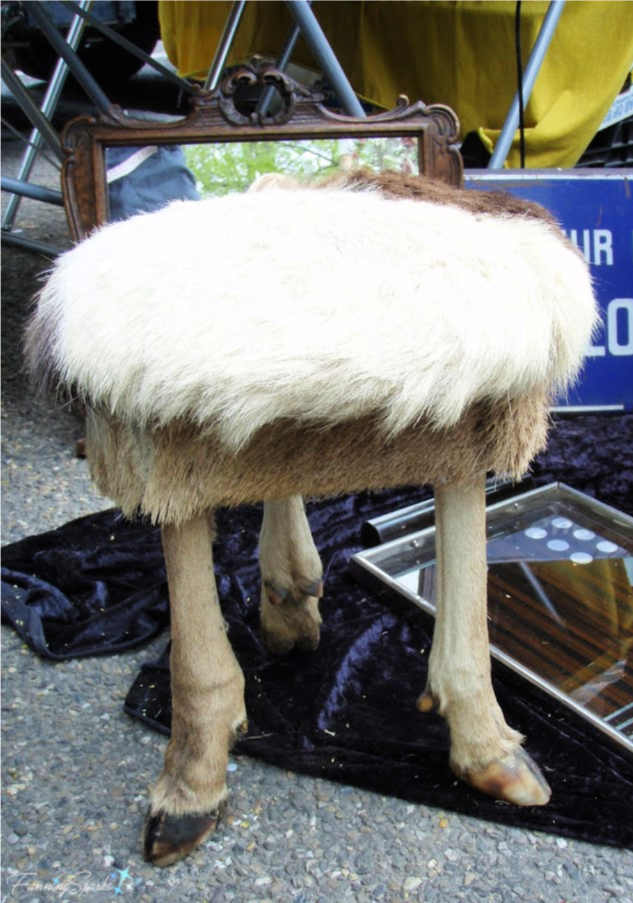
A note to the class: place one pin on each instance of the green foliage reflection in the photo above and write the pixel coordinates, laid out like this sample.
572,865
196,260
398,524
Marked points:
228,168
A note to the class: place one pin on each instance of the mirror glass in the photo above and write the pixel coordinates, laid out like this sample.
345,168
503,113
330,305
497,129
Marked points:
560,597
226,168
144,178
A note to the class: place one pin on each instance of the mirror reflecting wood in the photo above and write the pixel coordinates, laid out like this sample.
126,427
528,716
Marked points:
560,597
221,132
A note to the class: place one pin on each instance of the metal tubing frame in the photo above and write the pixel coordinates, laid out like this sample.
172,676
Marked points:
225,44
541,45
51,99
28,190
318,44
306,25
282,61
39,122
76,66
30,244
129,46
68,62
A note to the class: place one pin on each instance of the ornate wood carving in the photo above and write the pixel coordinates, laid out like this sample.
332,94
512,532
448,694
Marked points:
223,116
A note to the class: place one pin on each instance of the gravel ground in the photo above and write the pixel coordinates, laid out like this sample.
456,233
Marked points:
76,769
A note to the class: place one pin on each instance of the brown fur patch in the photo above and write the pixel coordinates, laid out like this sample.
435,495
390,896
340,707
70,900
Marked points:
173,474
422,188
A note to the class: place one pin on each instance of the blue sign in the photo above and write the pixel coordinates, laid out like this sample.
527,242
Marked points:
595,210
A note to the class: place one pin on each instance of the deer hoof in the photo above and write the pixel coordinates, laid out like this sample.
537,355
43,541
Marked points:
290,618
309,643
516,779
283,645
278,645
169,838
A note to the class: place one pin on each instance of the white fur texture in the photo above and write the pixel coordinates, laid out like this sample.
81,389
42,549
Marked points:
318,306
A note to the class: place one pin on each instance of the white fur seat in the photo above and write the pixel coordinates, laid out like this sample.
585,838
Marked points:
315,306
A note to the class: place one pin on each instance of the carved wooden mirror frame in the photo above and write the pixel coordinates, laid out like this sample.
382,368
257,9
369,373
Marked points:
217,118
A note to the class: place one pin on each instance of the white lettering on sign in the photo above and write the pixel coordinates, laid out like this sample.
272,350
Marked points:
619,330
595,244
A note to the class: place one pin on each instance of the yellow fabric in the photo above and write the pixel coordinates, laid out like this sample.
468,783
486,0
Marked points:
457,52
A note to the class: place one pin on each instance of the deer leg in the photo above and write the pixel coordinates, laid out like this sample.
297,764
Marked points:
207,701
484,750
292,578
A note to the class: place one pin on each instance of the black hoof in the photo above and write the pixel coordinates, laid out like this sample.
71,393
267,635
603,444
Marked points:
169,838
283,646
308,643
277,645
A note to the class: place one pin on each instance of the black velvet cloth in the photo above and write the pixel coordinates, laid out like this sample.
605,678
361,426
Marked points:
346,712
